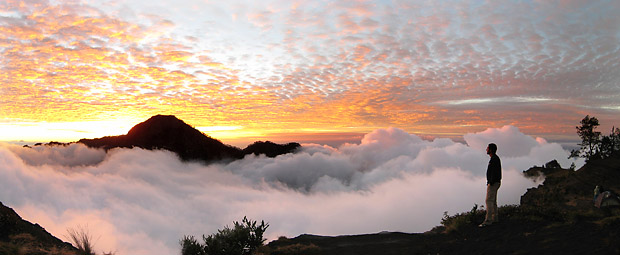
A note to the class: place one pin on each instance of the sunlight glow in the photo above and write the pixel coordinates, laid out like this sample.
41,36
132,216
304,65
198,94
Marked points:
247,69
62,131
230,133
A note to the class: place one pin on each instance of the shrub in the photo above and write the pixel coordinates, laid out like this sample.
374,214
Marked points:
461,220
189,245
243,238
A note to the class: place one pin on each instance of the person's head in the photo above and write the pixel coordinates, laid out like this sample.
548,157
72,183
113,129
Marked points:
491,149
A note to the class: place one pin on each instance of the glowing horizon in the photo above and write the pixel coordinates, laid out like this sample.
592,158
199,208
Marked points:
85,69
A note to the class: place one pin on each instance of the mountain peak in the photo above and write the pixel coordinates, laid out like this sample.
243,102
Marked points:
164,119
163,125
171,133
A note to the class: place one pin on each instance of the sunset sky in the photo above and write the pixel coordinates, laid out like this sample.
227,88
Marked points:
307,71
362,85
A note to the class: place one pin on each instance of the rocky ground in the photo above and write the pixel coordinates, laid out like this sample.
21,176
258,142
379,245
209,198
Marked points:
514,235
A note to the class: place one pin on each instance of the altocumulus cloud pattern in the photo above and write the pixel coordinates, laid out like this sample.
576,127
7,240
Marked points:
136,201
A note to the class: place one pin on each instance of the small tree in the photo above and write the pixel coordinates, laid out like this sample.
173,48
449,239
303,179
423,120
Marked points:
590,139
189,245
610,144
243,238
615,140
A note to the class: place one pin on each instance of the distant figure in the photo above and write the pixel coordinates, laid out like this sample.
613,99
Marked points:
494,177
597,191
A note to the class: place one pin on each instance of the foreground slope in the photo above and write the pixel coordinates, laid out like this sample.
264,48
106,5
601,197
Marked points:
558,217
18,236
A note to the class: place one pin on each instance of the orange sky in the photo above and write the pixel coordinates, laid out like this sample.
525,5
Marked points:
306,71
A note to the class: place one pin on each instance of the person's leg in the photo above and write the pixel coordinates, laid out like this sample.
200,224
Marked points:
495,215
491,204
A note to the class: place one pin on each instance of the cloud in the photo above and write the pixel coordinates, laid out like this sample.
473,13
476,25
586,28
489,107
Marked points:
61,155
142,202
510,141
378,63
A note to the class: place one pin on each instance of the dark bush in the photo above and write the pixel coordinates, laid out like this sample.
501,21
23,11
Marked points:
462,220
243,238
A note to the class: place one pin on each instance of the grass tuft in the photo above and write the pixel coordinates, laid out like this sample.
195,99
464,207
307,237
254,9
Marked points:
82,240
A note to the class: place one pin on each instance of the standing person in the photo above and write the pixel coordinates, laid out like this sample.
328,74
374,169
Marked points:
494,177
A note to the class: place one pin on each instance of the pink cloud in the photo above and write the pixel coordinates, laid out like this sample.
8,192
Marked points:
371,61
133,195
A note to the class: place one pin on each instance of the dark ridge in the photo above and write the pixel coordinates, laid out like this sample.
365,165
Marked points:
167,132
52,143
551,168
17,232
270,149
566,189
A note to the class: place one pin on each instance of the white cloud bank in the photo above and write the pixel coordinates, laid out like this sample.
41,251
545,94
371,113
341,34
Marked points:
137,201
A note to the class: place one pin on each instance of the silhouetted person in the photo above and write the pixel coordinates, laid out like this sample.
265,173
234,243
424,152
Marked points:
494,177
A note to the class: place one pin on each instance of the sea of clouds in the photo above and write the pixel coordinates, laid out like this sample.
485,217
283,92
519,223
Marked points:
136,201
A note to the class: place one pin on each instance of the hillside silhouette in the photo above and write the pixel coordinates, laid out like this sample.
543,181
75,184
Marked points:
18,236
167,132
